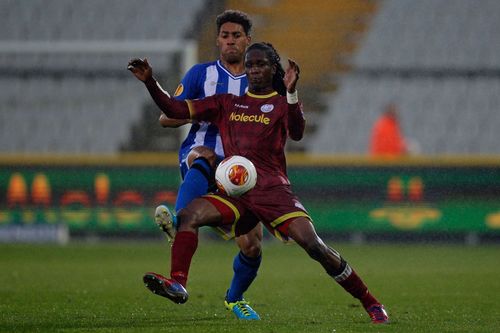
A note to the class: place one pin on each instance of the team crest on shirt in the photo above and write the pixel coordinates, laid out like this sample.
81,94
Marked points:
267,108
179,90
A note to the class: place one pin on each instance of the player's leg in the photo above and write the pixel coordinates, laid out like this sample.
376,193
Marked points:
197,173
199,212
246,263
197,181
302,231
245,266
201,163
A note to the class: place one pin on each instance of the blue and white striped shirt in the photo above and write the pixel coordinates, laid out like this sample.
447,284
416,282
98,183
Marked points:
200,81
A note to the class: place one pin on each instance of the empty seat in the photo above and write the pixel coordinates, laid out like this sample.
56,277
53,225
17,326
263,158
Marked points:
73,102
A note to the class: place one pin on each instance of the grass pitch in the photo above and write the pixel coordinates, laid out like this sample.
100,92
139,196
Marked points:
98,288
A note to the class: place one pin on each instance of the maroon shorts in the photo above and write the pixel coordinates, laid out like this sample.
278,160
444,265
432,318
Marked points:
274,207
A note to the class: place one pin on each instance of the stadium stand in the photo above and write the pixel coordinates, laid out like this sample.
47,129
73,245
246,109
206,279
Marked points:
319,35
95,19
439,62
73,102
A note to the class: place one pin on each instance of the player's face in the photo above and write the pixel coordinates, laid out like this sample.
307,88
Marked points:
260,71
232,42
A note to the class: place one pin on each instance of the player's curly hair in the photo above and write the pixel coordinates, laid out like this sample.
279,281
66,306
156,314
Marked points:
234,16
274,57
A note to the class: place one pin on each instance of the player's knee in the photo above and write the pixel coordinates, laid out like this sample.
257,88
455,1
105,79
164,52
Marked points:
250,244
189,219
251,249
204,152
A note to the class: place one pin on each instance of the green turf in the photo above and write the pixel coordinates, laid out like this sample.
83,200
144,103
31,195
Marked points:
98,288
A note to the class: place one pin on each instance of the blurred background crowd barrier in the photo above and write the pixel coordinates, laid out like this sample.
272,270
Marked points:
72,117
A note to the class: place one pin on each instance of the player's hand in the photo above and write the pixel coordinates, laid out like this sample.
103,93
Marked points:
291,76
140,68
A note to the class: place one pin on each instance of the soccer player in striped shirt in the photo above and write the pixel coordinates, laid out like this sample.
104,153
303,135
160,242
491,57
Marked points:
202,149
255,125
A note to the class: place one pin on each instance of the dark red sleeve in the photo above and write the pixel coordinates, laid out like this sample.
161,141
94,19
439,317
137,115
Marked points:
170,106
209,108
296,121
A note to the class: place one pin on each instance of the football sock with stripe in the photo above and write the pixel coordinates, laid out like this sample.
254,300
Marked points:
183,249
195,183
352,283
245,270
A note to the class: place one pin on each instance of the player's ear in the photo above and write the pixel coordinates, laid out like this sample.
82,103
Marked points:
249,40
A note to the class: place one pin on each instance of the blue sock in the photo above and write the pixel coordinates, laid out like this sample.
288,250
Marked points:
195,183
245,270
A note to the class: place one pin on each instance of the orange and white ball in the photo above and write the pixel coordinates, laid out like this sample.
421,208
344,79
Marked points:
235,175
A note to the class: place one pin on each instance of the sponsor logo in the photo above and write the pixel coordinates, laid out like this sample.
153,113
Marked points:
267,108
249,119
406,218
241,106
179,90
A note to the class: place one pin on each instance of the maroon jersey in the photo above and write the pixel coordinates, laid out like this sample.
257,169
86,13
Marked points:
256,127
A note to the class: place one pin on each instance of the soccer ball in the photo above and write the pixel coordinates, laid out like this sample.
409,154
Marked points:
235,175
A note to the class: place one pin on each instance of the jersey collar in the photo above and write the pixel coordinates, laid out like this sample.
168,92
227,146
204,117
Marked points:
219,63
274,93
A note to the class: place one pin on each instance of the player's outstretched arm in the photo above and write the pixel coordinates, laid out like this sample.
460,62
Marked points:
171,107
172,123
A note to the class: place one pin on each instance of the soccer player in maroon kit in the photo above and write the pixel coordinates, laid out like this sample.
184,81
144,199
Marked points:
256,126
